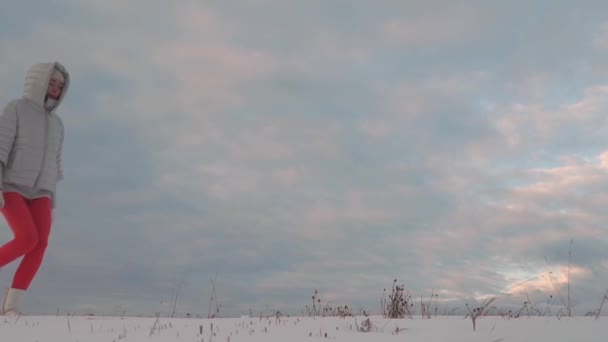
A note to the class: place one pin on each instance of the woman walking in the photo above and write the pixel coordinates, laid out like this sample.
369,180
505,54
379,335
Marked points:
31,141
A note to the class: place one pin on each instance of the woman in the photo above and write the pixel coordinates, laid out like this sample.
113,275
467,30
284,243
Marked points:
31,141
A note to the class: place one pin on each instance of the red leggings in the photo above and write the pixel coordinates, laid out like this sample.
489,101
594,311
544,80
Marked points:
30,221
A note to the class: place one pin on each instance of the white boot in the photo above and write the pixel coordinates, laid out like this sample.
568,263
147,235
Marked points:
12,302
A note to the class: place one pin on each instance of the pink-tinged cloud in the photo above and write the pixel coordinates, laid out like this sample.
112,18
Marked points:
574,176
287,176
330,215
376,129
603,160
235,163
600,40
419,98
526,128
552,283
549,207
410,104
206,65
530,87
435,28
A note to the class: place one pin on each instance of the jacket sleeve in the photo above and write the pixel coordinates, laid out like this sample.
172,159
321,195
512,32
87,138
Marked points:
8,129
59,154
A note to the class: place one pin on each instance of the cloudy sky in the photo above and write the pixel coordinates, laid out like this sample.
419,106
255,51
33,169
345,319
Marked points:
286,146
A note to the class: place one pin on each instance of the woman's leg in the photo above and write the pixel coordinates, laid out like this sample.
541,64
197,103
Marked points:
17,213
41,212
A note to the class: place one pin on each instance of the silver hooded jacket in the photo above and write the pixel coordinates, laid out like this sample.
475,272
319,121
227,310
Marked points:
31,134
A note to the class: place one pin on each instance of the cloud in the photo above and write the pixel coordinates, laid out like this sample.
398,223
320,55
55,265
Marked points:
435,28
600,41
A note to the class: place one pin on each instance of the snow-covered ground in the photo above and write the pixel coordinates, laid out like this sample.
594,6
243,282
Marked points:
296,329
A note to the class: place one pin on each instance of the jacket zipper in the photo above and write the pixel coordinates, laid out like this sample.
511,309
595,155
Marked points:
45,147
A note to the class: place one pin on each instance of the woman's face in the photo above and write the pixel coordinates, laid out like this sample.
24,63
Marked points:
55,88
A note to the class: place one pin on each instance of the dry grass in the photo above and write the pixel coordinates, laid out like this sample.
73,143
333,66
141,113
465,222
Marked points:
399,303
326,310
213,302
